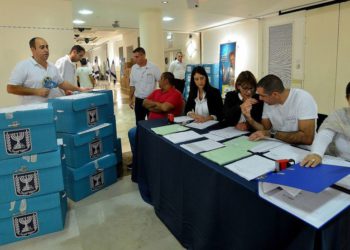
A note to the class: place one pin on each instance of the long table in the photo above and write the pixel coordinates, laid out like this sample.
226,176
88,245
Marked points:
206,206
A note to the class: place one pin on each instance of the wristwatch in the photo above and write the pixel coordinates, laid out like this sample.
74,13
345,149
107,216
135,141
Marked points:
273,133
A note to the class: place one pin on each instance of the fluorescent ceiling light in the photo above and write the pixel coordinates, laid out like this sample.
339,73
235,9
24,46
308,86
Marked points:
167,18
77,21
85,12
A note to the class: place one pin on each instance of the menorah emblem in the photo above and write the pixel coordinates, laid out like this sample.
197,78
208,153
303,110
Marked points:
26,183
95,148
97,180
92,116
18,141
25,225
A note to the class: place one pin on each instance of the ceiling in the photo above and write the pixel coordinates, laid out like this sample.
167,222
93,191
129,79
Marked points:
209,13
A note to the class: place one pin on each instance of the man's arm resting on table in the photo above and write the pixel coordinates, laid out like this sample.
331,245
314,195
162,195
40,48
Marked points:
304,135
25,91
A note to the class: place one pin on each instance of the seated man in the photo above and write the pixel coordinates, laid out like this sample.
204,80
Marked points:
289,114
160,103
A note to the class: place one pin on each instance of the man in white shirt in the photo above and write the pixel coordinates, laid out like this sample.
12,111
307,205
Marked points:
66,65
143,80
289,114
178,68
35,78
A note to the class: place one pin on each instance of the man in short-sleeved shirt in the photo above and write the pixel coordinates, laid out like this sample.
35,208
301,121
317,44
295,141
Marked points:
35,79
143,78
165,100
289,114
178,68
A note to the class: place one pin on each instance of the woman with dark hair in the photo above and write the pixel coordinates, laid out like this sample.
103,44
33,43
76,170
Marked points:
204,102
242,107
333,136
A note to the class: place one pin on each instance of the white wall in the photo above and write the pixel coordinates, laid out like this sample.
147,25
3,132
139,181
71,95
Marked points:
246,34
22,20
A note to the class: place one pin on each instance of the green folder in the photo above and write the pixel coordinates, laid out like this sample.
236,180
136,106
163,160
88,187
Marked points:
226,155
242,142
169,129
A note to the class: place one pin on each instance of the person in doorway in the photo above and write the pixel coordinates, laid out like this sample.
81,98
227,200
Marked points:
178,68
84,75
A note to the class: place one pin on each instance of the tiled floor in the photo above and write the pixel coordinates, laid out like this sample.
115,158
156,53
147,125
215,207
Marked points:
113,218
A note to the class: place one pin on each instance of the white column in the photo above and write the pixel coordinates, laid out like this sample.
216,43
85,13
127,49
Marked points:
151,36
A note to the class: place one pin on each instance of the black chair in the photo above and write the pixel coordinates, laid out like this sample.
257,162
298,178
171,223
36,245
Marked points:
320,119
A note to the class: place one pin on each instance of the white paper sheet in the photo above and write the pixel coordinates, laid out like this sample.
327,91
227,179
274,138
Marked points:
228,132
183,136
315,209
252,167
200,146
266,145
214,137
287,152
182,119
201,125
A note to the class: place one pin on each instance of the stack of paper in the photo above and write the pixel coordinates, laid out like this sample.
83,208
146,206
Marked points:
201,125
200,146
266,145
169,129
228,132
242,142
252,167
287,152
225,155
183,136
182,119
315,209
214,137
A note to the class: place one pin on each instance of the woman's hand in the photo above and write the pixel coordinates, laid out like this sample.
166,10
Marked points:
243,126
311,160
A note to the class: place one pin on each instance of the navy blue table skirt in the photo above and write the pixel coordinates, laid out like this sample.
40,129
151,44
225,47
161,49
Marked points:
206,206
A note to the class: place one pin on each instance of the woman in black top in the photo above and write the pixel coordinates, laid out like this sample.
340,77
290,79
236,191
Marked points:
242,107
204,102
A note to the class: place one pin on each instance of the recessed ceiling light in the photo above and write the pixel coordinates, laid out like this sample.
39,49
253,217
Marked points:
85,12
167,18
165,2
77,21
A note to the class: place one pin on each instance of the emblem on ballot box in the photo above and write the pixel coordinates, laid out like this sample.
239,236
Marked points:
97,180
18,141
95,148
25,225
26,183
92,116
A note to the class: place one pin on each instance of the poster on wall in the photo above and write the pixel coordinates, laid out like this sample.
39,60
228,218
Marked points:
227,67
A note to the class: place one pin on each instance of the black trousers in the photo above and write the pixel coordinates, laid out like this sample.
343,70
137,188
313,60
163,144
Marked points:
180,85
140,111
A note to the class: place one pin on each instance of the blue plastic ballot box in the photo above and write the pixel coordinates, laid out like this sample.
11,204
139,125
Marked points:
109,93
28,218
87,145
31,175
26,130
94,176
79,112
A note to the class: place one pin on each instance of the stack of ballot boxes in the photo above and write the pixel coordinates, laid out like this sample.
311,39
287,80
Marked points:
32,201
89,139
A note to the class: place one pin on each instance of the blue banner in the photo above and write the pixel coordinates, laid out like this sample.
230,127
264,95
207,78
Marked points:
227,67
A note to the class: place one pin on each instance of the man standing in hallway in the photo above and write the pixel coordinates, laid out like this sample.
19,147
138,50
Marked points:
66,65
178,68
35,78
143,78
